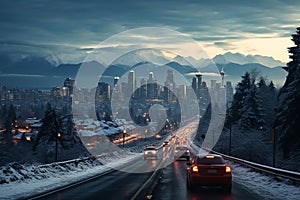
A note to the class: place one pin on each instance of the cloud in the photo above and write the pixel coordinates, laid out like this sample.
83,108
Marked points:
65,25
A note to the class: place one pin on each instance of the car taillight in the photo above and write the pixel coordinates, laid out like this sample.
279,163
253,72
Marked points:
195,169
228,170
210,157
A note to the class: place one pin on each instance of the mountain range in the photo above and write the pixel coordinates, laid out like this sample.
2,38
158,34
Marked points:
39,72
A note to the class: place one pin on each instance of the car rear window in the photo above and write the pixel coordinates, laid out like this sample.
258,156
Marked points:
208,161
181,148
150,148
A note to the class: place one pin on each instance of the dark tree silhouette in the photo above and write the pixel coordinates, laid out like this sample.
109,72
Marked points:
287,123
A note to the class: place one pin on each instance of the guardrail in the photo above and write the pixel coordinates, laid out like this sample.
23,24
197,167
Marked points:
75,161
294,176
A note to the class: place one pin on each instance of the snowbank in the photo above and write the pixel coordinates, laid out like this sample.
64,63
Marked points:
22,181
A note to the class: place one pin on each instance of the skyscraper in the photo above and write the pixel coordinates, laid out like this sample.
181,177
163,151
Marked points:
194,85
116,79
103,92
152,87
199,79
131,83
170,85
70,84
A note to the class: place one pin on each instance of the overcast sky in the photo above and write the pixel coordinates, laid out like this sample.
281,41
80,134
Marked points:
67,28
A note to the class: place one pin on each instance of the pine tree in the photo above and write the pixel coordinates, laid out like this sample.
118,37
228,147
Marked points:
267,99
272,87
241,89
287,123
250,112
51,126
245,108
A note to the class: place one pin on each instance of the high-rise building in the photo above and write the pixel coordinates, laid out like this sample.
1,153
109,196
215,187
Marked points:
151,77
103,91
194,85
143,88
213,84
182,91
229,93
152,87
70,84
3,92
199,80
170,87
131,83
116,79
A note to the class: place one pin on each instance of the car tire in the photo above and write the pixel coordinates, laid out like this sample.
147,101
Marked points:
188,158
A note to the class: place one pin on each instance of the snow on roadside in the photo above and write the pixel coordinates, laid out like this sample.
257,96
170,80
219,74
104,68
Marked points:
25,181
265,186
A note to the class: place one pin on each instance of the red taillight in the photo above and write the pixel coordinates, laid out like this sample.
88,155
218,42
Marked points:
195,169
210,157
228,170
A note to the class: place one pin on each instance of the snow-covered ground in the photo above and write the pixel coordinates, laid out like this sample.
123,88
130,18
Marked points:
90,127
267,187
27,180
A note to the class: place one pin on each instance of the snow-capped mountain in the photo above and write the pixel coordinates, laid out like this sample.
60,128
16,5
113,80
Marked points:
146,55
27,72
245,59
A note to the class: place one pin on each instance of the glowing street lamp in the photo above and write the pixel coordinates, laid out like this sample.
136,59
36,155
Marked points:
58,135
123,134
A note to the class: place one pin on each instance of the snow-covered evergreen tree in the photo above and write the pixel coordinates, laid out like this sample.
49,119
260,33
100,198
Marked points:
250,111
246,109
51,126
240,91
287,124
267,96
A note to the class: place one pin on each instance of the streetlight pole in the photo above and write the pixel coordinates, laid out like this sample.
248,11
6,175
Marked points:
230,138
124,132
274,145
57,135
229,120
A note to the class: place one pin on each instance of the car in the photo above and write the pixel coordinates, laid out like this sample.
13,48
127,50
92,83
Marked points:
157,136
209,170
181,152
150,152
166,144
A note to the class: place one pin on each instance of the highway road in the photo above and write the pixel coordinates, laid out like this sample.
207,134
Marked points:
173,186
118,184
121,185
